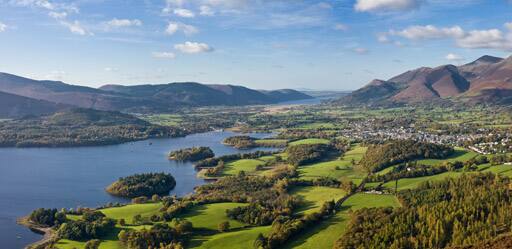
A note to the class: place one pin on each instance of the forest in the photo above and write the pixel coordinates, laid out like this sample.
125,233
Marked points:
191,154
147,184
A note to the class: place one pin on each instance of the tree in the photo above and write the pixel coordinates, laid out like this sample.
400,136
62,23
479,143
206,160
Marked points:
122,236
122,222
223,226
92,244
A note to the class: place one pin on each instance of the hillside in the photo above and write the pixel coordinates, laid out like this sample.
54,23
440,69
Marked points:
196,94
79,127
142,98
14,106
486,80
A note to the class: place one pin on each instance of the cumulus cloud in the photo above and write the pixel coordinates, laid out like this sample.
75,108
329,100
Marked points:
163,55
76,28
3,27
206,10
184,13
454,57
341,27
174,27
428,32
386,5
58,15
193,47
120,23
490,39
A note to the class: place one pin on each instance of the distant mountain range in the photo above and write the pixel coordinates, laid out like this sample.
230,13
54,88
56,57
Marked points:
23,95
486,80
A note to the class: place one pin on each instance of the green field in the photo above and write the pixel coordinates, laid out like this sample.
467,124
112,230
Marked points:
210,215
410,183
271,142
310,141
504,170
459,155
329,169
127,212
247,165
314,197
243,238
325,234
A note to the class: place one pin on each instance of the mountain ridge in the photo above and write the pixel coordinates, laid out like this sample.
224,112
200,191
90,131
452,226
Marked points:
485,80
142,98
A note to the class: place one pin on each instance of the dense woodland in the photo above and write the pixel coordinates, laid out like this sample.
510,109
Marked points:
241,142
192,154
308,153
142,185
455,212
379,157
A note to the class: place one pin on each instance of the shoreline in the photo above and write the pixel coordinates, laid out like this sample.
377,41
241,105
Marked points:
47,232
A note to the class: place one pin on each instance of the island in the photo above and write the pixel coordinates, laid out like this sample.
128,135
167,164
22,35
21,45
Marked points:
138,185
191,154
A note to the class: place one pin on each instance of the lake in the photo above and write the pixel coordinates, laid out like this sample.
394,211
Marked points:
72,177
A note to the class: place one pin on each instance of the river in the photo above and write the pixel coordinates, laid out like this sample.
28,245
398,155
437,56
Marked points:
72,177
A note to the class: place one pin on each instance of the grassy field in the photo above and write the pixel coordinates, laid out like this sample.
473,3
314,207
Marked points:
310,141
410,183
127,212
504,170
163,119
209,216
247,165
314,197
337,168
243,238
459,155
318,126
325,234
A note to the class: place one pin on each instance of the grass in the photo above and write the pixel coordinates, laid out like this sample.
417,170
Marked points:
243,238
318,126
314,197
127,212
310,141
326,234
247,165
410,183
340,168
210,215
504,170
271,142
459,155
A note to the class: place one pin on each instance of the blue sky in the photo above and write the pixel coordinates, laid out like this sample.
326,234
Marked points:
264,44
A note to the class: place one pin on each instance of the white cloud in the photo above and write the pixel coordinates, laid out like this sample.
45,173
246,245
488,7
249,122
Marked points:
119,23
206,10
428,32
360,50
184,13
454,57
110,69
174,27
341,27
3,27
488,39
386,5
58,15
193,47
492,38
163,55
76,28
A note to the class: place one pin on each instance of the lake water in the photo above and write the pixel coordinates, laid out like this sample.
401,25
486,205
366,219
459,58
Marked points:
73,177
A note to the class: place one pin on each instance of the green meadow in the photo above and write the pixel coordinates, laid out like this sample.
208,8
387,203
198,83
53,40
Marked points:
310,141
314,197
325,234
209,216
340,168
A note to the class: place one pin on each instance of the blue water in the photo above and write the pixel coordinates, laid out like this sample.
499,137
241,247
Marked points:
72,177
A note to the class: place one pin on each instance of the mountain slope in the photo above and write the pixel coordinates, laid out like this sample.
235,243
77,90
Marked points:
142,98
14,106
486,80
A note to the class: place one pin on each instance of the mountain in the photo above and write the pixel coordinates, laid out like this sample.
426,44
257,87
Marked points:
486,80
14,106
142,98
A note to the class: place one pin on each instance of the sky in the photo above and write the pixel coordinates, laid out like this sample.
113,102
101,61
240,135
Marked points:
262,44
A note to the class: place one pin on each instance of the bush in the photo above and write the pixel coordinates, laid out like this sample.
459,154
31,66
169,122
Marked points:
192,154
